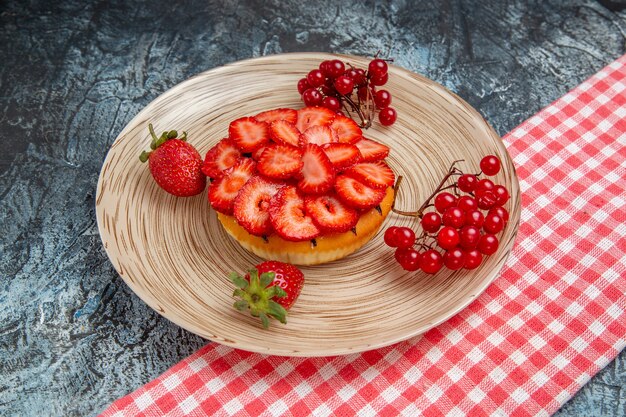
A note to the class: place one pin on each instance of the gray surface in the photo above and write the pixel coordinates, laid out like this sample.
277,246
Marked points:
72,335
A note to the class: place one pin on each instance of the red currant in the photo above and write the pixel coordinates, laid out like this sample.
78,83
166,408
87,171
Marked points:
431,222
502,195
431,261
405,237
444,201
364,93
486,199
408,258
312,97
474,218
501,212
485,185
453,217
303,85
490,165
466,203
377,67
359,77
470,236
493,223
448,238
344,84
488,244
331,103
382,99
379,80
454,259
467,182
335,68
315,78
390,236
387,116
473,259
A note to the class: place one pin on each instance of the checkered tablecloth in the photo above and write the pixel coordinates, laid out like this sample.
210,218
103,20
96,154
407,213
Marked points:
554,318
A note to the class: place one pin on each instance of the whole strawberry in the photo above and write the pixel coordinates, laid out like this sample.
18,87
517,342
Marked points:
175,164
268,291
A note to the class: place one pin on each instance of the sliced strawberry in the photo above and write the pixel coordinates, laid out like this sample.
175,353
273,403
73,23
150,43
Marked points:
374,174
347,129
318,135
317,173
342,155
280,161
356,194
222,192
248,133
330,214
252,203
256,155
288,216
282,131
220,157
289,115
314,116
372,150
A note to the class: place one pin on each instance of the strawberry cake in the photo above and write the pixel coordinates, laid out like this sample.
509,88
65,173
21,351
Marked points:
299,186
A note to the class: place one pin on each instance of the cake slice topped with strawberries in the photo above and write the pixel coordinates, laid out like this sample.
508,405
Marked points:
302,186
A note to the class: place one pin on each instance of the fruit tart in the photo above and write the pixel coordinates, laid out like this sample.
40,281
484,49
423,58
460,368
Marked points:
300,186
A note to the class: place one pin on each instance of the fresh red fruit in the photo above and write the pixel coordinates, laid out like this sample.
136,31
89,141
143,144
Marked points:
314,116
431,261
444,201
303,85
374,174
390,236
371,150
220,157
408,258
317,173
387,116
490,165
466,203
335,68
453,217
377,67
493,223
470,236
454,259
502,195
484,185
312,97
379,80
268,291
467,182
248,134
175,165
344,84
269,116
288,216
280,162
318,135
501,212
222,192
488,244
356,194
251,205
474,218
323,66
404,237
315,78
431,222
473,259
382,99
282,131
256,155
342,155
448,238
330,214
486,199
347,129
331,103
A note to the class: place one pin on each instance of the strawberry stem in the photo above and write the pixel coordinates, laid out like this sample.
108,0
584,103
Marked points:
257,294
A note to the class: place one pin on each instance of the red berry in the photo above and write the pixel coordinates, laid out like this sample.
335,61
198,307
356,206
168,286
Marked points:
335,68
379,80
303,85
470,236
363,93
474,218
454,217
501,211
382,99
315,78
467,203
488,244
493,223
448,238
405,237
490,165
344,84
431,222
359,76
390,236
486,199
323,66
467,182
377,67
502,195
454,259
331,103
408,258
431,261
443,201
387,116
312,97
485,185
473,259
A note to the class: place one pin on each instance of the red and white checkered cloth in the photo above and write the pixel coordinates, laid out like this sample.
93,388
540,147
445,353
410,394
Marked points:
554,318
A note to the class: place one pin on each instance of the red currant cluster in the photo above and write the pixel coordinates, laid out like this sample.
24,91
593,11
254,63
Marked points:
459,222
338,86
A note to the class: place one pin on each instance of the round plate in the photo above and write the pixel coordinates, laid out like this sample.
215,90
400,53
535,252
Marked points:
174,254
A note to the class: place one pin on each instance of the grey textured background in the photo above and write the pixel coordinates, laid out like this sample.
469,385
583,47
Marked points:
73,337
